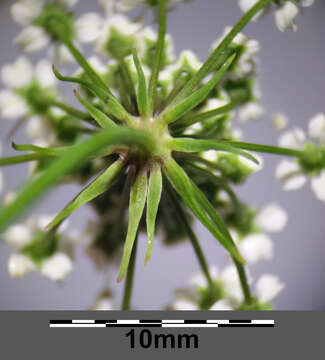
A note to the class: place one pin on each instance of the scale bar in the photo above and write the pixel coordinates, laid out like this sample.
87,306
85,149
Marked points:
147,323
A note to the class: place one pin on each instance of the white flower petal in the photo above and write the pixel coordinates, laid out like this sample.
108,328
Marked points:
222,305
104,304
17,74
250,164
183,304
1,183
24,12
268,287
12,105
285,15
255,248
38,128
18,235
62,55
318,186
32,39
44,74
199,280
306,3
19,265
280,121
271,218
250,112
316,128
88,27
57,267
293,139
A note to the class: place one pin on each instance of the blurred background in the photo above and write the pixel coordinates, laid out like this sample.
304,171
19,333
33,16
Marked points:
292,81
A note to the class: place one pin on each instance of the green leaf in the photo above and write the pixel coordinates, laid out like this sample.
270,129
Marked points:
158,55
73,159
71,111
264,148
185,188
220,52
180,109
136,206
94,189
142,96
102,119
154,195
197,145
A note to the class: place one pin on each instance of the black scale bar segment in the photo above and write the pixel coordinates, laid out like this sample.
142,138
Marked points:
240,321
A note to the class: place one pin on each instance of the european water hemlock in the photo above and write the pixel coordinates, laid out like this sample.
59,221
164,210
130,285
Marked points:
154,146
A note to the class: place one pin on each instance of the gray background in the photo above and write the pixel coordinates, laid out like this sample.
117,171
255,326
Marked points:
292,79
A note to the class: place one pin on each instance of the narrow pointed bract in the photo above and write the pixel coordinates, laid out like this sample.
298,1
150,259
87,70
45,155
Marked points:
137,202
154,195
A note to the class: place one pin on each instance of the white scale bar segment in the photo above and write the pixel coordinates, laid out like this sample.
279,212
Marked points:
78,325
83,321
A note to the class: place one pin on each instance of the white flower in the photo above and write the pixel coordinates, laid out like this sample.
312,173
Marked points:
222,305
17,74
104,304
32,39
57,267
19,265
306,3
268,287
38,128
198,280
290,174
184,305
97,64
250,112
293,139
107,5
24,12
271,218
62,55
120,23
12,105
18,235
127,5
250,164
256,247
280,121
316,128
193,129
88,27
246,5
285,15
44,74
318,186
231,283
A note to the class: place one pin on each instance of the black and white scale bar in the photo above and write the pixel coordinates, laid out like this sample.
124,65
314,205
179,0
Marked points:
160,323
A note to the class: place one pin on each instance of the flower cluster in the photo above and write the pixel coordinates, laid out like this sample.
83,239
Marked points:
294,174
157,137
285,12
51,256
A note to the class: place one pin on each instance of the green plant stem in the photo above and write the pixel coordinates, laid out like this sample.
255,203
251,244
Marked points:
21,159
129,281
243,281
84,64
265,148
72,111
158,55
193,238
214,58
